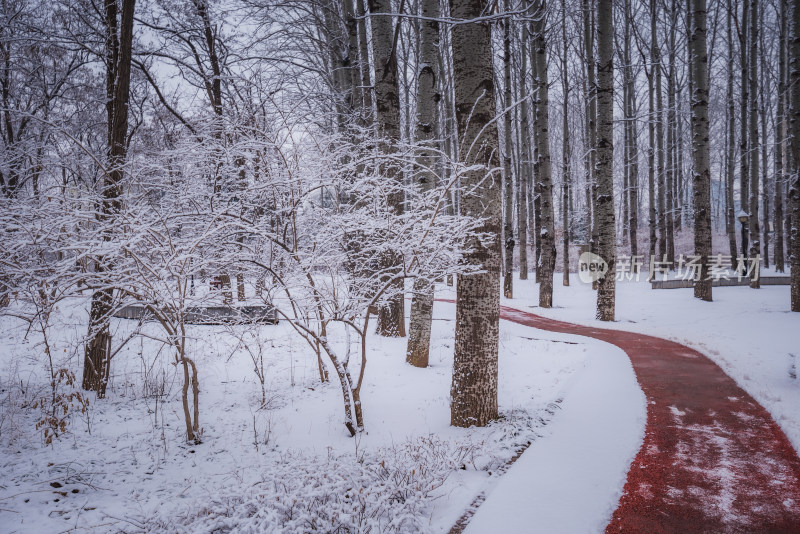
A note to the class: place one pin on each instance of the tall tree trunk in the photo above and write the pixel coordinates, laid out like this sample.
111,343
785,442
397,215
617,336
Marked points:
428,97
391,321
655,60
730,116
744,154
363,54
671,141
542,165
794,192
780,142
754,230
525,146
474,387
605,159
591,118
565,148
701,179
508,178
119,44
764,91
651,162
632,193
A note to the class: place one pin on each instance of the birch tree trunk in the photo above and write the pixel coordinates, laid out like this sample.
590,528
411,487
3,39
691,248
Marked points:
565,149
508,178
730,111
543,166
780,142
428,97
474,387
794,192
655,60
701,173
391,321
754,231
632,193
591,119
605,158
744,175
671,139
525,147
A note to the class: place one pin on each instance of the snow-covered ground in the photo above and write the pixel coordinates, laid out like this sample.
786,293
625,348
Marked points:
290,466
124,465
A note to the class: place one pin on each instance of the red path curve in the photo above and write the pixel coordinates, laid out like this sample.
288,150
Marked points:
713,460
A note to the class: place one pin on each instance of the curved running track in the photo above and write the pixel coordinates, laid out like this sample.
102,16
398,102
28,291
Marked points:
713,460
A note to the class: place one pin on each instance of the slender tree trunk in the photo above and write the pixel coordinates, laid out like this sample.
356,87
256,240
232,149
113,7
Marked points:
391,321
565,148
671,141
428,97
651,162
655,60
508,178
780,142
794,192
525,177
744,144
118,64
605,158
591,118
764,91
542,165
474,386
755,232
730,112
701,179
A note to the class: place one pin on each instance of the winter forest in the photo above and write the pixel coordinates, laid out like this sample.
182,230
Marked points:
399,266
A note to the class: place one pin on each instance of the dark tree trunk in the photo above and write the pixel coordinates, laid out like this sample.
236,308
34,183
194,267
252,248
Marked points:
606,288
701,179
119,44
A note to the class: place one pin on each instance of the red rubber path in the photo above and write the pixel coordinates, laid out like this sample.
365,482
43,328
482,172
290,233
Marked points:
713,460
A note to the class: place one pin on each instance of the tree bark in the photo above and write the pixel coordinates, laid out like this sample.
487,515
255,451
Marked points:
391,320
605,159
542,165
730,112
655,60
525,177
428,97
754,230
474,386
794,192
508,178
780,142
565,149
701,179
119,45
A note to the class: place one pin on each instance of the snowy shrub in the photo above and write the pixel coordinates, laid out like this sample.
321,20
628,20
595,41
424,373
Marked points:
388,490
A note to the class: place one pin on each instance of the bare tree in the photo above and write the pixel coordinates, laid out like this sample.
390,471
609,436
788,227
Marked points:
391,321
542,164
119,42
700,151
508,178
474,387
794,121
780,143
754,231
605,157
428,97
